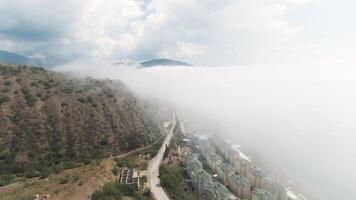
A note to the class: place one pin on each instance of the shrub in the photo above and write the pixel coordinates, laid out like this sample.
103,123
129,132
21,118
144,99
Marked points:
7,83
4,99
115,191
115,171
67,90
104,141
64,180
90,99
82,100
34,84
30,98
6,179
171,178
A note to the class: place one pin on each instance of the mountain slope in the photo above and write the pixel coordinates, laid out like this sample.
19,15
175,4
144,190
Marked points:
163,62
12,58
50,122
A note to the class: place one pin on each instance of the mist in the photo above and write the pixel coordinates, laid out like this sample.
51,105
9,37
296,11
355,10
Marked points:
300,117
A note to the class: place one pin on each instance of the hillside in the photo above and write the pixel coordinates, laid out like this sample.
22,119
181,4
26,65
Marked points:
50,122
13,58
163,62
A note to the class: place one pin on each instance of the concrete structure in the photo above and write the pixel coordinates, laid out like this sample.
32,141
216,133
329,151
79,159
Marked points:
218,191
240,186
222,146
275,189
233,156
193,164
260,194
224,171
204,180
225,148
242,166
130,177
205,147
153,166
291,196
256,176
203,183
214,161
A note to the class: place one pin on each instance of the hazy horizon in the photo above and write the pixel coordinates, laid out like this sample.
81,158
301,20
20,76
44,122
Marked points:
201,32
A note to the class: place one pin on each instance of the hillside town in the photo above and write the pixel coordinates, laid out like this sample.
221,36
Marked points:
228,173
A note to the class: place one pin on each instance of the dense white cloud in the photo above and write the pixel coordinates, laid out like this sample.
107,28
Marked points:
200,31
210,32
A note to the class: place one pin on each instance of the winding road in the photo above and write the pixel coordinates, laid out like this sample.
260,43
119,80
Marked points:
153,168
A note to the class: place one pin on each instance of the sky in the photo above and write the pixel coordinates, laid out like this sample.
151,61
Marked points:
202,32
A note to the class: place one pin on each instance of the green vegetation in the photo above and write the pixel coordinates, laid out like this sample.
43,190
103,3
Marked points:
205,164
64,180
177,138
82,100
30,98
116,191
7,83
125,162
4,99
152,150
133,160
6,179
172,180
68,90
45,132
115,170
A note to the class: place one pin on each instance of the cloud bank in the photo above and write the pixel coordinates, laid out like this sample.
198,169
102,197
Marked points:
209,32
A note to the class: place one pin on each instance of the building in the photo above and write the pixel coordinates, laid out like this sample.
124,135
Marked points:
260,194
193,164
240,186
130,177
222,146
242,166
214,161
256,176
205,147
203,183
204,180
275,189
292,196
226,146
218,191
224,170
233,155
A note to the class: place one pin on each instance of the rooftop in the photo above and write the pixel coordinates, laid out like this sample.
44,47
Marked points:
243,156
240,180
260,194
226,167
257,172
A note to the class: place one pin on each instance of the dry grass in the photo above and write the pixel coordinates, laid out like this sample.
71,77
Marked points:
76,183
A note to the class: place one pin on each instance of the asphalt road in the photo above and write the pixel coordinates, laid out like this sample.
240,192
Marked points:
153,168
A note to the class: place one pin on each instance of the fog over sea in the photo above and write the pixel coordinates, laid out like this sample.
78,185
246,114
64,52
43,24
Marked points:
300,117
